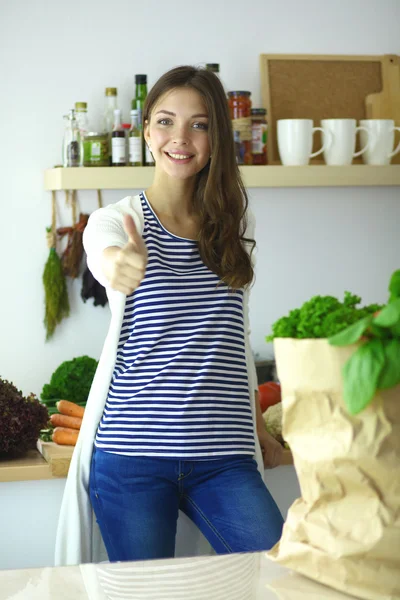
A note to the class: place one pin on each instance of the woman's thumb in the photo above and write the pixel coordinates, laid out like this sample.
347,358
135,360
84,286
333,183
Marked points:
131,231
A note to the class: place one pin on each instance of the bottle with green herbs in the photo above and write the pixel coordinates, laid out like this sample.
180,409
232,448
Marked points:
135,141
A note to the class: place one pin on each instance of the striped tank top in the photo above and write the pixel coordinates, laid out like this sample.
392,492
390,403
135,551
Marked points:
180,386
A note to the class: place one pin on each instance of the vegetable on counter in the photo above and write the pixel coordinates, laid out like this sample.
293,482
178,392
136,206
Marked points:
62,420
21,419
65,436
72,380
273,421
269,394
70,409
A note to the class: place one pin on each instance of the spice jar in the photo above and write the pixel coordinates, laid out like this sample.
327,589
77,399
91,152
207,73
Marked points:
259,129
239,104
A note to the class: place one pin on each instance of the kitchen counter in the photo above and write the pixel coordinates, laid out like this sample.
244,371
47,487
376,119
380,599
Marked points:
251,576
51,460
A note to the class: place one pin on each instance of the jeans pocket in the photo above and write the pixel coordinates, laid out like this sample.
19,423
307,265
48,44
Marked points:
92,477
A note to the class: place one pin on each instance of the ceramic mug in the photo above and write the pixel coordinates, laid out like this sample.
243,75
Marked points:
341,149
295,140
380,152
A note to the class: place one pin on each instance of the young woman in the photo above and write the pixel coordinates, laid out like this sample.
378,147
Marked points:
173,420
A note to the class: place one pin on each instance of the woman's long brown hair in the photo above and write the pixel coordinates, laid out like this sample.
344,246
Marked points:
220,198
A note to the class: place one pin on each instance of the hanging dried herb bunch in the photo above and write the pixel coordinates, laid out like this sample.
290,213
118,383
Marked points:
55,288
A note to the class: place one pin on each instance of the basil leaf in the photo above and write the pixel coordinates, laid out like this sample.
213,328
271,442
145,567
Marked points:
394,286
390,374
351,334
360,375
389,315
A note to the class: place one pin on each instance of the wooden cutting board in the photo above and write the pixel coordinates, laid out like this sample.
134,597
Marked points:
386,103
313,86
58,457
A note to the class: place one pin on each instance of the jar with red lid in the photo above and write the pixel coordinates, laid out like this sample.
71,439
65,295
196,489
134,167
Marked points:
240,112
259,130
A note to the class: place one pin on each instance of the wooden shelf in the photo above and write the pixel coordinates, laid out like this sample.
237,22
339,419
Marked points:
59,457
138,178
32,466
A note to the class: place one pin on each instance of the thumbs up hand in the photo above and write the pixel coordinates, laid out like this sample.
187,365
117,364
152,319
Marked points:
125,267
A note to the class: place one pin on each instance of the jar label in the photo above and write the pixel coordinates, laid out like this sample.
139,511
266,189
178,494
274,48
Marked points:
259,138
243,126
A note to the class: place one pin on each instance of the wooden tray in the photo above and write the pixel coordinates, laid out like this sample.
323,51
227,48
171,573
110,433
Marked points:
316,87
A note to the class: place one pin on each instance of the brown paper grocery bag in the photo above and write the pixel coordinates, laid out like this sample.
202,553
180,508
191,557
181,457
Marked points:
345,529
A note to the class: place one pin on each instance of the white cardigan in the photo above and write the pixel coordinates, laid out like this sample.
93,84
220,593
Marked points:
78,535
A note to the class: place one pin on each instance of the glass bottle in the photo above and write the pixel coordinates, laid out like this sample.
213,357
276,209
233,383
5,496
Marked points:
140,96
72,142
148,157
213,67
135,141
138,104
82,117
259,130
110,104
118,142
83,124
239,103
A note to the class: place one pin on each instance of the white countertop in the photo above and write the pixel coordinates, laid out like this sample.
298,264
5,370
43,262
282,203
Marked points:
250,576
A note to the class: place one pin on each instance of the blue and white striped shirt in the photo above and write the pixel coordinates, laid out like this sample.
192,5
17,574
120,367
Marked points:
180,383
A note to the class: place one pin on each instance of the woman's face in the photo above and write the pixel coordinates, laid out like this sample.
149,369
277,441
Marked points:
178,133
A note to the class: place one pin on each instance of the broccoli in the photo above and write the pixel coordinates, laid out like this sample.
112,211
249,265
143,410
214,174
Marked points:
321,317
71,380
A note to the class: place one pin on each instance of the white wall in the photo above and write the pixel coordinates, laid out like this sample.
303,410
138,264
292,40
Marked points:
54,53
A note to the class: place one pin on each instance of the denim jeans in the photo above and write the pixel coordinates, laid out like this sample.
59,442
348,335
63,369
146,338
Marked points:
136,500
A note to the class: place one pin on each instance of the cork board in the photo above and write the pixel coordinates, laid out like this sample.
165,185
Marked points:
319,87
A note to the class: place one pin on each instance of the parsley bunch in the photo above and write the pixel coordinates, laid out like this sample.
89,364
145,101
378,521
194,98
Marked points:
321,317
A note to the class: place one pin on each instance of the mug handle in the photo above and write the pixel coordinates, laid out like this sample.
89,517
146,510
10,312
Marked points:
397,149
371,140
327,140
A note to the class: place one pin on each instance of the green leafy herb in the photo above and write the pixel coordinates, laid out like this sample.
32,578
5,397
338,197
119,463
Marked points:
321,317
71,380
390,374
361,374
394,286
389,315
351,334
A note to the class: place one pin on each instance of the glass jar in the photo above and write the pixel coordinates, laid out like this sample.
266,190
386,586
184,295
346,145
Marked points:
96,150
259,130
239,104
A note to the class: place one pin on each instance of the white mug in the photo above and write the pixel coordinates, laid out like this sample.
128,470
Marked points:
295,140
341,148
381,151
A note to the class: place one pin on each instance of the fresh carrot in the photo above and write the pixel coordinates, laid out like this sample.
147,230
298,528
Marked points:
65,436
59,420
65,407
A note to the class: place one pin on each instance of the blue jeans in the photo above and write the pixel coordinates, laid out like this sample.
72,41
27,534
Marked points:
136,501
